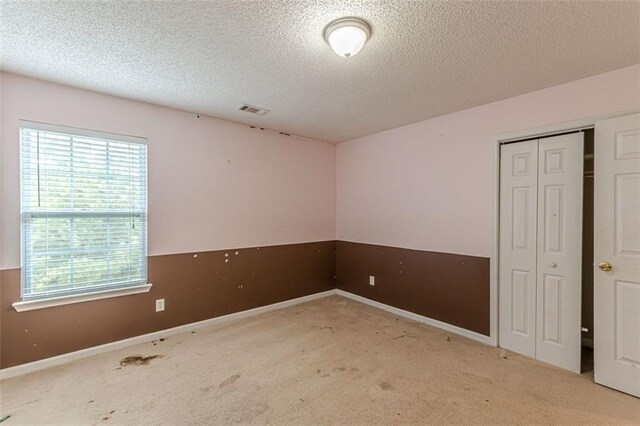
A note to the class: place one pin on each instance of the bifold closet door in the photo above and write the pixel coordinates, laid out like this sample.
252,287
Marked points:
518,211
559,262
541,249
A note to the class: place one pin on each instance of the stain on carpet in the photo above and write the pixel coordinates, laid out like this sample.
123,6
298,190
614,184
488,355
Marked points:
403,335
247,413
231,380
478,378
107,417
386,386
138,360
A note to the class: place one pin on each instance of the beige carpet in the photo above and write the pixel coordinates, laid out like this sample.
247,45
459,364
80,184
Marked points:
331,361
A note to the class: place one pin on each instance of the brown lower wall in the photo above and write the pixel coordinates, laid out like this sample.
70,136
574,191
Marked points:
194,289
446,287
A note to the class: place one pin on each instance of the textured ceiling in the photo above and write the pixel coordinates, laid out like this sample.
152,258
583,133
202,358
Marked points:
424,59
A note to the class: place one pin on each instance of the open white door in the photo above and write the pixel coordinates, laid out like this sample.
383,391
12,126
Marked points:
617,254
559,268
518,210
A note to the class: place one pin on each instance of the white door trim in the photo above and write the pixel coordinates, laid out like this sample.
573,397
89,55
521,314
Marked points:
496,140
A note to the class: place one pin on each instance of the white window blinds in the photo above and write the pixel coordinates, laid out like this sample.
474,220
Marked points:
84,210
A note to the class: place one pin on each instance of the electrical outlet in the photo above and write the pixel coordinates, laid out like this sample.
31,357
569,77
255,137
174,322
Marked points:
372,280
159,305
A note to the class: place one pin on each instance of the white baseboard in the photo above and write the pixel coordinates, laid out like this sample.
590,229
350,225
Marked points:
42,364
120,344
419,318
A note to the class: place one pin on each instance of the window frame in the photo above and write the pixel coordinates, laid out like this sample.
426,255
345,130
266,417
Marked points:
30,301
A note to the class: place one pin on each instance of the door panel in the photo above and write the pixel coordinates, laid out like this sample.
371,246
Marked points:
617,241
627,188
520,284
518,193
559,263
554,217
627,311
553,292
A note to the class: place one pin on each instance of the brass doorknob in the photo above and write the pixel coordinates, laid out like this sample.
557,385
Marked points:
604,266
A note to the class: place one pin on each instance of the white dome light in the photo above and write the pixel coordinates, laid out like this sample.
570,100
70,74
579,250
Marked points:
346,36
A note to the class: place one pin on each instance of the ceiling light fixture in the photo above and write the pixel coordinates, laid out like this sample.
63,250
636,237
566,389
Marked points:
346,36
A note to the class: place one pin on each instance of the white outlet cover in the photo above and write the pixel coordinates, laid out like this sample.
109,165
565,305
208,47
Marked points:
372,280
159,305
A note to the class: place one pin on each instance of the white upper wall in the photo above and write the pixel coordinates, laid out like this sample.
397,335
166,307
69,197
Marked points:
428,185
2,237
213,184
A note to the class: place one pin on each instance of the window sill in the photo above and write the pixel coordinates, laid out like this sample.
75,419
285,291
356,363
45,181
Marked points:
30,305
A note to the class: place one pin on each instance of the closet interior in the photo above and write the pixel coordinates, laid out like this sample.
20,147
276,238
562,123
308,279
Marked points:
587,254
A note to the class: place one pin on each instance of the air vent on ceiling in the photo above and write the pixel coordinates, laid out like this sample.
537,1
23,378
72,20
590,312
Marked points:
253,109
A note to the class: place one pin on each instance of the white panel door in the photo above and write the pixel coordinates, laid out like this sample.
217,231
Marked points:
617,243
559,262
518,209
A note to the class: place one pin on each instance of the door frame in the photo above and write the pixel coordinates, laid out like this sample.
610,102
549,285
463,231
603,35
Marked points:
496,141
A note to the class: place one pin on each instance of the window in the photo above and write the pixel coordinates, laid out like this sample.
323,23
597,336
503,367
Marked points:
84,211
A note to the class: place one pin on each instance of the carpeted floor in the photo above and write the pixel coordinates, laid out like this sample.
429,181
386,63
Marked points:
331,361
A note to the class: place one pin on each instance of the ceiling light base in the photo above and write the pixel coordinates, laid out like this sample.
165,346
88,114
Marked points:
346,36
